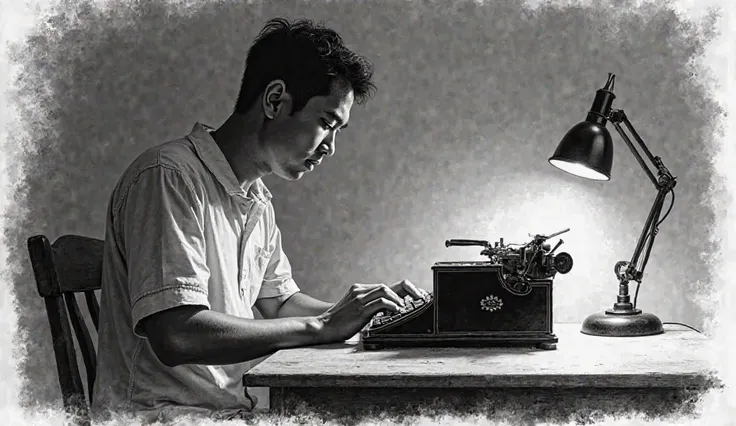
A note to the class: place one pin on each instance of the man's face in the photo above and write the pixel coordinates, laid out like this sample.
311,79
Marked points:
297,143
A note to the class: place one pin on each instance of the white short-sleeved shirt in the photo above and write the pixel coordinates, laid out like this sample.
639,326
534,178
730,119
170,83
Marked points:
181,231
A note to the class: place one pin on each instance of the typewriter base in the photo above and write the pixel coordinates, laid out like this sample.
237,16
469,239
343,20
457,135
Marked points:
545,341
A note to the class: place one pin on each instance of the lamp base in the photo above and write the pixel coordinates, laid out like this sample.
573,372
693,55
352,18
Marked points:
622,323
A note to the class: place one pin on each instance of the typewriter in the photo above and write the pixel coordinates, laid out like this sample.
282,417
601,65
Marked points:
505,301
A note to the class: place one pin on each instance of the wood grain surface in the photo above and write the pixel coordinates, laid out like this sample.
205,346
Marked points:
676,359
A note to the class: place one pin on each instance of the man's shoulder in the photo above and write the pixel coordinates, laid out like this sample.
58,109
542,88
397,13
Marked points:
178,155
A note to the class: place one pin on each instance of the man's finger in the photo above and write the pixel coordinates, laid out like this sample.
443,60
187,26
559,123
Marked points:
382,290
370,292
409,288
380,304
358,288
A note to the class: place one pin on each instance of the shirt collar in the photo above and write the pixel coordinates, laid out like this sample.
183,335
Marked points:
213,158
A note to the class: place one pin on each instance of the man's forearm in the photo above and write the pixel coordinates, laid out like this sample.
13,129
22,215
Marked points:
302,305
212,338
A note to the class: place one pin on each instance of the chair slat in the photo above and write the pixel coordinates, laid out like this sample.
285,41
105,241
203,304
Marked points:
94,308
66,360
84,340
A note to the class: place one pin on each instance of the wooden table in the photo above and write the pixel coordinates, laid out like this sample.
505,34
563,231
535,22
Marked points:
584,376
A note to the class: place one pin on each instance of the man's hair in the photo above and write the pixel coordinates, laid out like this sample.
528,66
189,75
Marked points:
309,58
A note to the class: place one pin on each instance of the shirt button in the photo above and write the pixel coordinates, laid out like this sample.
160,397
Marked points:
242,292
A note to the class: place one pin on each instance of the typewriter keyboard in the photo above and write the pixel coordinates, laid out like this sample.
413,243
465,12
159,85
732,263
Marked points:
411,305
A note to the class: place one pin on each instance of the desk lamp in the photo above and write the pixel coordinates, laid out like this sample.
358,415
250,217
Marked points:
586,150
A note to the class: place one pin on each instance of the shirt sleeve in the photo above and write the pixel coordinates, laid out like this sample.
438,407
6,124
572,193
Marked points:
277,281
162,228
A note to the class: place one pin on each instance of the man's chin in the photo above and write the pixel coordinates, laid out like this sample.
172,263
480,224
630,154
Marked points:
291,175
296,176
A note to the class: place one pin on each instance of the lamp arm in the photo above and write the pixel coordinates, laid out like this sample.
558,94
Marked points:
664,183
649,231
617,117
653,230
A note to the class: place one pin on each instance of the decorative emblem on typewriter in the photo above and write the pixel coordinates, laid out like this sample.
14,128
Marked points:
491,303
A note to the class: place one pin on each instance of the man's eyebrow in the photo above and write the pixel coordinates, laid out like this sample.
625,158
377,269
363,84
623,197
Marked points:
336,118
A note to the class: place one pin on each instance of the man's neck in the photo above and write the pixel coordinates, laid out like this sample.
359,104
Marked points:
238,140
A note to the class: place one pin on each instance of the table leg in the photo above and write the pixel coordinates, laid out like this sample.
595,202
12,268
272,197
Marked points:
276,401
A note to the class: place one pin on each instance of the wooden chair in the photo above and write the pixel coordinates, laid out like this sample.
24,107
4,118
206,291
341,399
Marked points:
72,264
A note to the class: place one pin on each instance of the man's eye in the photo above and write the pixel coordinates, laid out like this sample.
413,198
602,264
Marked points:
326,125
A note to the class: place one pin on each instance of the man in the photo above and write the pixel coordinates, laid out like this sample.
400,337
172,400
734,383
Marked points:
192,243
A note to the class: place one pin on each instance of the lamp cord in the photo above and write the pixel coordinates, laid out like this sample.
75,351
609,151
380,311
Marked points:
684,325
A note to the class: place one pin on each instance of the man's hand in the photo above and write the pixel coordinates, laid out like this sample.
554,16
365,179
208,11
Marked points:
359,305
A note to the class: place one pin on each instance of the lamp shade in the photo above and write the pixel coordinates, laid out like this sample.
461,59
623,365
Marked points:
586,150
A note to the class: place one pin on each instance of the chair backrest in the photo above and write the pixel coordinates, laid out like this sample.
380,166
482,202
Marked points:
72,264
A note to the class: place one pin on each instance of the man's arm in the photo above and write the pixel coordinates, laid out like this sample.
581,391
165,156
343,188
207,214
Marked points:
296,305
197,335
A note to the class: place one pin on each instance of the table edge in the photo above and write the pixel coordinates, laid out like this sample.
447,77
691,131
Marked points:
706,379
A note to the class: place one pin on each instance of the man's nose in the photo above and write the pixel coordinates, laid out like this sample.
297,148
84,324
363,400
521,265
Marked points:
329,144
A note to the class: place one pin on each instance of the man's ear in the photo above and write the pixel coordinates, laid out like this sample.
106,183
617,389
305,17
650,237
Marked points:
275,99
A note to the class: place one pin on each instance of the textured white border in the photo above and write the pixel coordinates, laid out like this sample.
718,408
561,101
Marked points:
18,16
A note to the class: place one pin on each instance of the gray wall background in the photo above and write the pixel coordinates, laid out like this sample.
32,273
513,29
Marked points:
472,101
